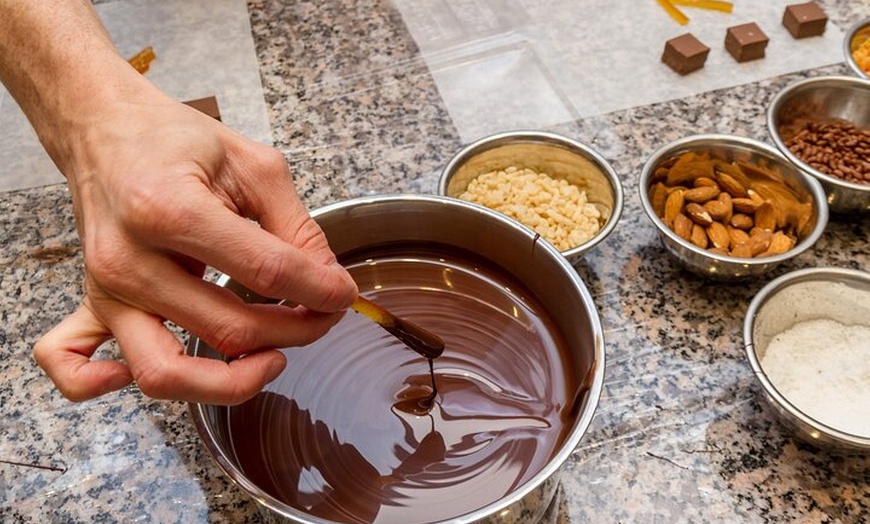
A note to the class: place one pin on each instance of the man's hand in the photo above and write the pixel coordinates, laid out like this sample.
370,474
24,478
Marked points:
160,192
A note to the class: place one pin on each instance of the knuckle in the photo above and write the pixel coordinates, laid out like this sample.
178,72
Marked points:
155,379
270,273
232,337
106,263
150,210
41,351
236,393
274,157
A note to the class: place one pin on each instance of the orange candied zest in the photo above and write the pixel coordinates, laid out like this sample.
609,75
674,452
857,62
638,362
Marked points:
715,5
861,55
141,61
675,13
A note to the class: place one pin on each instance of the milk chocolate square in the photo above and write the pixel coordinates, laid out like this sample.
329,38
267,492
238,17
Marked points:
685,54
803,20
207,105
746,42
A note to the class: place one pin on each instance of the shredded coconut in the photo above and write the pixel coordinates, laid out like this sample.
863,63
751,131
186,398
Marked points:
823,368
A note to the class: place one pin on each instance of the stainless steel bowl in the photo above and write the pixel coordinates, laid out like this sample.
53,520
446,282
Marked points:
823,98
373,221
855,36
838,294
555,155
722,267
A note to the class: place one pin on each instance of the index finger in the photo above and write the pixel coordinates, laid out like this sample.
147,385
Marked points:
161,369
65,354
304,271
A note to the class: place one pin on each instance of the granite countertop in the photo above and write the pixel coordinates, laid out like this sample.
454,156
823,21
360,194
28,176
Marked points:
681,434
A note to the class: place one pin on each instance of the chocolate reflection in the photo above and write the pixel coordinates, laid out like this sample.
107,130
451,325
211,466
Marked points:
344,434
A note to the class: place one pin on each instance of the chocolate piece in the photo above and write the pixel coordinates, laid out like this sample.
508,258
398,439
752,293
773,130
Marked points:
803,20
207,105
685,54
746,42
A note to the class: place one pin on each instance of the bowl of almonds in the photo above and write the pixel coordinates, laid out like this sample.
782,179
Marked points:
822,125
562,189
728,207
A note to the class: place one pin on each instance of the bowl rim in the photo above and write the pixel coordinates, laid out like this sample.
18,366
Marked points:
773,109
553,466
853,30
494,140
758,301
815,189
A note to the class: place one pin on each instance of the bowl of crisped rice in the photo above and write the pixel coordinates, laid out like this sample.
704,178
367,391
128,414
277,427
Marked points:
562,189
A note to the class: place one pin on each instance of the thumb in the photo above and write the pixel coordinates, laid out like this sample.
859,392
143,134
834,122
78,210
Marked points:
65,354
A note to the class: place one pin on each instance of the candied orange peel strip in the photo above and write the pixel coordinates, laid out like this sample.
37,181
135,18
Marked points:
674,13
141,61
715,5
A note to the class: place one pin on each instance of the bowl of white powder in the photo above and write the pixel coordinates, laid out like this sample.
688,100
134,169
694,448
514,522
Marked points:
807,336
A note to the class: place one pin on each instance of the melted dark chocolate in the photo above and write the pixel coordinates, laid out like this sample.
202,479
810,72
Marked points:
353,431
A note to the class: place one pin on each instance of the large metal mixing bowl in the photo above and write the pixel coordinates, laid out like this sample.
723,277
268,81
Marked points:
373,221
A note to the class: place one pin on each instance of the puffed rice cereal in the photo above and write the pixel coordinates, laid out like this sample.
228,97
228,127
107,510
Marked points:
553,208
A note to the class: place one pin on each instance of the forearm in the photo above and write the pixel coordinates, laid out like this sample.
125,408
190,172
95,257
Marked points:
60,65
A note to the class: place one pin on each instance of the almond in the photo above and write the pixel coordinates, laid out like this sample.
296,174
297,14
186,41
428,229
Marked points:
658,194
742,221
701,194
698,214
765,216
673,206
738,236
779,243
741,251
699,236
706,182
760,242
752,194
718,235
725,198
683,226
730,184
744,205
717,210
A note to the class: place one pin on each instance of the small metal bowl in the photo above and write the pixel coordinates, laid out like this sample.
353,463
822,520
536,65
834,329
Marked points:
823,99
723,267
842,295
855,36
548,153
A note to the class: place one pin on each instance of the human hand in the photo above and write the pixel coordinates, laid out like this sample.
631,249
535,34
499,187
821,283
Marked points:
160,191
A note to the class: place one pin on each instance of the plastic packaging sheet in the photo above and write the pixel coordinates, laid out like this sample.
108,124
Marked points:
219,61
532,64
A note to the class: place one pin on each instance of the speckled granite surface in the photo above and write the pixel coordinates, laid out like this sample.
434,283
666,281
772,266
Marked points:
681,433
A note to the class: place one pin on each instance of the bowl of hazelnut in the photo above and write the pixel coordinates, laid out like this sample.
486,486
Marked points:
562,189
822,125
728,207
